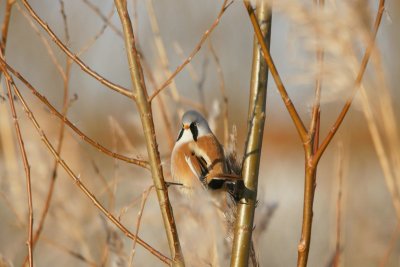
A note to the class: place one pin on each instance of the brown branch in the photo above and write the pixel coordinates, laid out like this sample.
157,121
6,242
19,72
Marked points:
87,139
146,115
357,84
49,195
225,6
301,129
25,163
75,178
74,57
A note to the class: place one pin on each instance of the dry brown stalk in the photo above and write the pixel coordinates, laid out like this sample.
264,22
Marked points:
74,177
74,57
166,116
223,93
195,77
145,110
225,6
383,158
87,139
242,240
145,196
26,166
336,257
161,49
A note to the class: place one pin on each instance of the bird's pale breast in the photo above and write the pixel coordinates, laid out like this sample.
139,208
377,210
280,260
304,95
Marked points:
206,147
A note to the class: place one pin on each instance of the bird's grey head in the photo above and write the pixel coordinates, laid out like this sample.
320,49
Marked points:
193,126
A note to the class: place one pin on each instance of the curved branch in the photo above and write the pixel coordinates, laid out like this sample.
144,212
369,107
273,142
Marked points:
54,111
74,57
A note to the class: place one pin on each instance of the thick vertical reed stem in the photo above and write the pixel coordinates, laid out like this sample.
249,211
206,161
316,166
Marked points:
258,92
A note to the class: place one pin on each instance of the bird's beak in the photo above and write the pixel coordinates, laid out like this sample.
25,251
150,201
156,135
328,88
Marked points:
185,126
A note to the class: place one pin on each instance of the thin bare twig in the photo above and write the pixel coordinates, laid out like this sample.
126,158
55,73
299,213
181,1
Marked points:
87,139
103,17
25,163
146,116
357,84
166,115
45,42
75,178
50,191
198,79
161,49
225,6
145,196
74,57
95,37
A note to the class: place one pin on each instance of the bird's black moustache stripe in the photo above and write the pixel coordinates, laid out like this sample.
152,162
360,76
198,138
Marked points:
180,134
194,130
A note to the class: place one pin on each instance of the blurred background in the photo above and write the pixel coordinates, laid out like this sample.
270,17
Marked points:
76,234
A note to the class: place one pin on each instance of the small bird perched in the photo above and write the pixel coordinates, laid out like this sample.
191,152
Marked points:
197,160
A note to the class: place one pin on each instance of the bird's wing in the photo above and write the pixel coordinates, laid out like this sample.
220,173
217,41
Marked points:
198,168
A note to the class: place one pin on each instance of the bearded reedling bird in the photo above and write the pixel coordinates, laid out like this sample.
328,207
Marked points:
197,159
